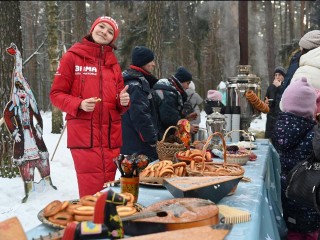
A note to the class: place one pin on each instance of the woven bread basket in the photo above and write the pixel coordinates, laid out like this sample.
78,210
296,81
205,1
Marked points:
242,158
167,150
215,169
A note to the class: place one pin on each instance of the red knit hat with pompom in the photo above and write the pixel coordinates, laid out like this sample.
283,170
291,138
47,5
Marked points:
110,21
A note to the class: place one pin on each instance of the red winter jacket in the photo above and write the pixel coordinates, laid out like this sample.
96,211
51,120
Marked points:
90,70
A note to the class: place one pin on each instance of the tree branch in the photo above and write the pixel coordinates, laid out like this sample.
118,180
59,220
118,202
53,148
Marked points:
35,52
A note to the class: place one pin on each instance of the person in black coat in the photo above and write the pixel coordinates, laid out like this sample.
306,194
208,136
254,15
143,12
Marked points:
139,123
171,98
272,91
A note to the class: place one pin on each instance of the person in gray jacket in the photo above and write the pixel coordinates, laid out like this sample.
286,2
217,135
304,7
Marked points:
195,99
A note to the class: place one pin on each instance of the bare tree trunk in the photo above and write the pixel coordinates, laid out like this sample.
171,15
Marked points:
302,15
154,38
270,40
291,20
52,11
286,20
68,26
10,30
183,33
80,20
107,8
30,43
281,22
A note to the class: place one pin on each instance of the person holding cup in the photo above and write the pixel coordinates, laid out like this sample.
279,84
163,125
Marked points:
272,91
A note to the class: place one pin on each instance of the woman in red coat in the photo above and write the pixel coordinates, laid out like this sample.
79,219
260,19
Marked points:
88,86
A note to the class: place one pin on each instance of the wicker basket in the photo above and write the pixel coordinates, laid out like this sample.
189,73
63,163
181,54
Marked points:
167,150
212,168
240,159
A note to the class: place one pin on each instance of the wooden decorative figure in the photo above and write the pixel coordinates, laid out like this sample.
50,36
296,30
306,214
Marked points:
29,149
106,223
184,132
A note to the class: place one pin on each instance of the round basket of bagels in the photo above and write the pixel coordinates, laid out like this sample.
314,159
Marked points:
209,168
236,155
166,149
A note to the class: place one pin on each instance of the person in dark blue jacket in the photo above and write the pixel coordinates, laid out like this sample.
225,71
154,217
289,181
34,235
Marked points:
139,123
171,98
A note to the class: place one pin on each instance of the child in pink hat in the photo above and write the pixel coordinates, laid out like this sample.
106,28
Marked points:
214,99
292,138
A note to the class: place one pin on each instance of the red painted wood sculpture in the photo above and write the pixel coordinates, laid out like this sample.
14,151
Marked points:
106,224
29,149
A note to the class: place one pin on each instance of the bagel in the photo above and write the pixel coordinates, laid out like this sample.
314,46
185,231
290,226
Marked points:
144,173
165,172
61,218
176,171
52,208
84,210
166,162
80,218
71,207
88,200
192,165
208,157
256,102
198,158
64,205
128,196
179,164
124,211
180,173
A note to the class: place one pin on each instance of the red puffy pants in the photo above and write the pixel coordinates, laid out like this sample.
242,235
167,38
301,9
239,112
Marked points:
94,167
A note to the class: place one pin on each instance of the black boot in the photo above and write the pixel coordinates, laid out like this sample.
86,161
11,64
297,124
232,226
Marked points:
49,181
28,186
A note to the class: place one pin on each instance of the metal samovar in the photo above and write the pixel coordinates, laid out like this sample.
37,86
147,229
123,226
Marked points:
216,122
236,89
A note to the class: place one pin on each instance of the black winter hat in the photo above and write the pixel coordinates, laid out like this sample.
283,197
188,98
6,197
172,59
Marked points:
183,75
141,56
280,70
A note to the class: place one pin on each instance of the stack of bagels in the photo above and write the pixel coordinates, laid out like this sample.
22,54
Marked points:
164,168
62,212
256,102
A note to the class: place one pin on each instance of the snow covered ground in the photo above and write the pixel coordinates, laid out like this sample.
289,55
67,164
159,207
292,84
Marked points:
63,177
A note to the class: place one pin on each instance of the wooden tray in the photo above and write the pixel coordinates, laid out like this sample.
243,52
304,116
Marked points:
46,222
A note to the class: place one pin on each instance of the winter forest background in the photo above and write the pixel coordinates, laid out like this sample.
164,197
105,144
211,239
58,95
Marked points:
203,36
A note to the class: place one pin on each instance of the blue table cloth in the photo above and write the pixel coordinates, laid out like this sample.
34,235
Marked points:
261,197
